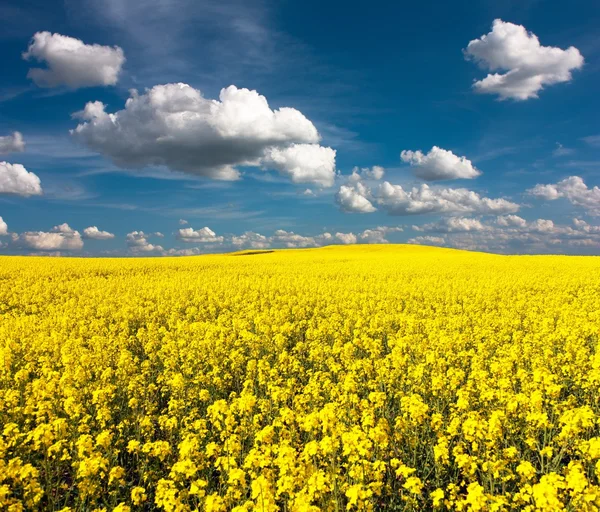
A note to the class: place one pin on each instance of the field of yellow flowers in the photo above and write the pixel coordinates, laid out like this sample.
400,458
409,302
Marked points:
357,378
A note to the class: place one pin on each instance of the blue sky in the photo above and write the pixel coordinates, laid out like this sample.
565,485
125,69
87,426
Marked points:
509,163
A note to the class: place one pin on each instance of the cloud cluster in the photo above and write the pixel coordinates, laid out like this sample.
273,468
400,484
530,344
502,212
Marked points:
72,63
453,225
204,235
378,235
528,65
59,238
366,173
13,143
427,240
439,164
510,233
137,242
355,198
574,190
174,126
93,233
3,227
358,195
15,179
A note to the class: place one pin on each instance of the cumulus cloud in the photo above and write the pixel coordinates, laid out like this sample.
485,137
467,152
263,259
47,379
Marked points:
72,63
511,220
252,240
292,240
3,227
425,199
439,164
528,65
574,190
368,173
378,234
13,143
453,225
204,235
93,233
427,240
137,241
15,179
513,234
346,238
174,126
183,222
302,163
355,198
59,238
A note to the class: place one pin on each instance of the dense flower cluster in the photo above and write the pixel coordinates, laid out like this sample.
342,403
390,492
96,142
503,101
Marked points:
356,378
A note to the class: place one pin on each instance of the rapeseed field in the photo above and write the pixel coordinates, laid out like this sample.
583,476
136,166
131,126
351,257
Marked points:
356,378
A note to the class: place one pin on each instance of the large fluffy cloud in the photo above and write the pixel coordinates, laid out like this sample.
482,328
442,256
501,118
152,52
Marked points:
173,125
60,238
15,179
73,63
439,164
303,163
3,227
528,65
573,189
93,233
13,143
204,235
355,198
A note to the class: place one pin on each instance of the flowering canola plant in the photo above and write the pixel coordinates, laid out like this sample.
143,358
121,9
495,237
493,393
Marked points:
354,378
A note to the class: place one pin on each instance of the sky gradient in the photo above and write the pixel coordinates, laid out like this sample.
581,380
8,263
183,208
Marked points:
174,127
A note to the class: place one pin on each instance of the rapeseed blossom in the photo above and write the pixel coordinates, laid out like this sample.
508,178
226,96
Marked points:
357,378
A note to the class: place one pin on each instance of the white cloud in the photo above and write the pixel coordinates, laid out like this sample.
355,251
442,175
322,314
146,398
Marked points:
439,164
303,163
3,227
73,63
513,234
183,222
291,239
137,241
60,238
15,179
574,190
173,125
252,240
13,143
453,225
378,234
529,66
425,199
368,173
427,240
204,235
346,238
511,220
94,233
354,198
